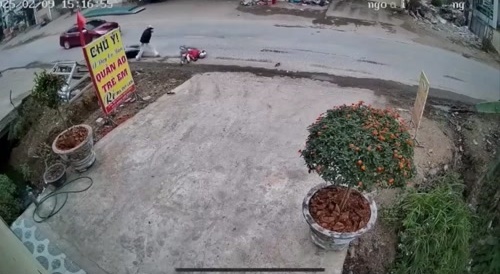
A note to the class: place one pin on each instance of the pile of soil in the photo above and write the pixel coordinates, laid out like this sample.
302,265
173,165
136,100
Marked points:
325,209
72,138
54,172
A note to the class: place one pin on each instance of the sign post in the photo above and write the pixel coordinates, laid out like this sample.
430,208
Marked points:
109,70
420,100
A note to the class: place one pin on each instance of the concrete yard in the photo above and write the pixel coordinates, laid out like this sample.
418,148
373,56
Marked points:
208,177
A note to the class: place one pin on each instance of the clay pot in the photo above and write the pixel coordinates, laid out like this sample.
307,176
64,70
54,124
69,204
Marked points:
55,175
80,157
331,240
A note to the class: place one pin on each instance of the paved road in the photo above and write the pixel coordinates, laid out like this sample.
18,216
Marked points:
265,42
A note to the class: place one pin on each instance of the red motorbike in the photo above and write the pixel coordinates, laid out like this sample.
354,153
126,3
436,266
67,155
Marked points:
191,54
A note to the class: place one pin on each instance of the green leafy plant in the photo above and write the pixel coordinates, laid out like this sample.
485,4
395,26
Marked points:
46,91
435,229
9,205
47,86
360,146
486,248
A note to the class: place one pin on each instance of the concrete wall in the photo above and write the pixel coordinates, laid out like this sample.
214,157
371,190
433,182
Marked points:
497,8
496,40
494,21
15,256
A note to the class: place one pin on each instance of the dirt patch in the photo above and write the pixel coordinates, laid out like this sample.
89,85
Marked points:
478,143
343,21
431,37
268,10
326,210
72,138
434,150
381,240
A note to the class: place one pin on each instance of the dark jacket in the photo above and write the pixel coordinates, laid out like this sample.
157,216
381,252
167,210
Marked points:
146,36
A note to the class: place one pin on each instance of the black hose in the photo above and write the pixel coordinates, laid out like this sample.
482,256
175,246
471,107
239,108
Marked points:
55,193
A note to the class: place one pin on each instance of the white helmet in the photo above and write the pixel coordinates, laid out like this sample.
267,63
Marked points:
203,54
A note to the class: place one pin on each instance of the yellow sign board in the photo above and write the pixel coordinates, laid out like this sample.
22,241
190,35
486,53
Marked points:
418,107
109,69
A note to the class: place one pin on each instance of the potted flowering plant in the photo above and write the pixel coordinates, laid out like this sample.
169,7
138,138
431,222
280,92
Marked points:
354,149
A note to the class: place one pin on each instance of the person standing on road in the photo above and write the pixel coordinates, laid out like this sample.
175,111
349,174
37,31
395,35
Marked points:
145,39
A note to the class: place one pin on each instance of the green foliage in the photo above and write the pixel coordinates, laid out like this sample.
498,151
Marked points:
435,230
486,248
29,112
360,146
47,86
9,206
437,3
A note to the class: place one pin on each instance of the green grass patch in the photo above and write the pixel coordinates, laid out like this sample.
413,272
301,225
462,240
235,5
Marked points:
434,229
486,247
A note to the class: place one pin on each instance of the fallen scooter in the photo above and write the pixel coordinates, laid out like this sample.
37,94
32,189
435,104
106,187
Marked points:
191,54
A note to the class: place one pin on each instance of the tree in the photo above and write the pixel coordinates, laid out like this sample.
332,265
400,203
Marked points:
360,146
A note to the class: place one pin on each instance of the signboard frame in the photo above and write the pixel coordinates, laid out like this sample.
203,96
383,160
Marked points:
420,102
117,52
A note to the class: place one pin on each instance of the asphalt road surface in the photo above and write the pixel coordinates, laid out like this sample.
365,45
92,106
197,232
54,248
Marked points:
296,48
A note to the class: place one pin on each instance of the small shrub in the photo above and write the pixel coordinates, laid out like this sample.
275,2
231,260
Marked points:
46,92
47,86
435,230
9,205
360,146
437,3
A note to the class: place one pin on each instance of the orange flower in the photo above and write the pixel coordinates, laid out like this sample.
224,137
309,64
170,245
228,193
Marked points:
359,162
381,138
391,181
363,168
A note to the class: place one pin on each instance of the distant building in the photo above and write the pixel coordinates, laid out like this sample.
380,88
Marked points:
485,21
